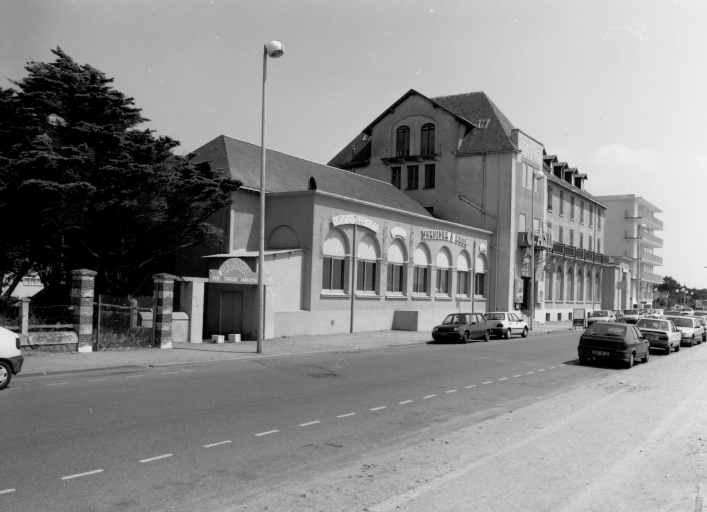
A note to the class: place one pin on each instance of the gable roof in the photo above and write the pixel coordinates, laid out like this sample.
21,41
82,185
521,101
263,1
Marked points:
570,186
494,136
287,173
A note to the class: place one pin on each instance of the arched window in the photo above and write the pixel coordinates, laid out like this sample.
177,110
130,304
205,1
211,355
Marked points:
463,274
402,141
597,288
421,261
560,283
480,271
589,286
367,264
396,267
334,261
570,284
427,141
284,237
580,285
444,276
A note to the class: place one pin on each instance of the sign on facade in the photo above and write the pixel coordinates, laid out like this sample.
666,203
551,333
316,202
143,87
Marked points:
549,267
233,271
438,234
398,232
519,291
355,219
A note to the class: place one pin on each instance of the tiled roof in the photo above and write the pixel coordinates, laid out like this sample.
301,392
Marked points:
358,151
287,173
569,186
477,106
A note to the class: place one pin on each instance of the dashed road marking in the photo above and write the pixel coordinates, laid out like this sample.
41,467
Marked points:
7,491
310,423
168,373
429,396
188,370
133,376
82,474
451,391
562,365
488,382
472,386
216,444
97,380
405,402
528,373
504,378
266,433
551,368
542,370
516,376
377,408
58,384
157,458
346,415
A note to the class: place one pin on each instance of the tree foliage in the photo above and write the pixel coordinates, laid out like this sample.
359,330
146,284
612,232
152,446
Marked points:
82,187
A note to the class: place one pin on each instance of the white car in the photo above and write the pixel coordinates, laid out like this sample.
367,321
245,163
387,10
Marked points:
601,315
660,333
504,324
11,358
690,328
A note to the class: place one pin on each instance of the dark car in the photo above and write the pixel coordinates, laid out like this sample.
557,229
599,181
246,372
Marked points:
463,327
613,341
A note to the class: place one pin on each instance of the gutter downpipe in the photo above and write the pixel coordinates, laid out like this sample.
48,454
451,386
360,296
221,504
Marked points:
498,198
353,279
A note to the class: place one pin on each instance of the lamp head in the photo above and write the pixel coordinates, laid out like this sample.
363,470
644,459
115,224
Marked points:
275,49
538,174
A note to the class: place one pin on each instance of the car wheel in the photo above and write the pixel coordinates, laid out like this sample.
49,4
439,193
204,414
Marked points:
647,356
507,334
629,364
466,338
668,350
677,348
524,334
5,375
583,360
487,336
692,341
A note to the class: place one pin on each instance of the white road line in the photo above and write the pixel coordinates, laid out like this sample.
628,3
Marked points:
472,386
7,491
551,368
134,376
529,373
310,423
504,378
157,458
542,370
562,365
516,376
405,402
488,382
377,408
429,396
167,373
216,444
58,384
451,391
346,415
82,474
266,433
188,370
96,380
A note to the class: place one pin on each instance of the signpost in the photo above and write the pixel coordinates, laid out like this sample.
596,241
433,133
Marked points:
579,318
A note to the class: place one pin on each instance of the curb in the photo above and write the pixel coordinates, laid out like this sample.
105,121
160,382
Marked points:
22,375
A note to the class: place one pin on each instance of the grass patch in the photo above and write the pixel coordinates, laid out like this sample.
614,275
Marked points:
134,337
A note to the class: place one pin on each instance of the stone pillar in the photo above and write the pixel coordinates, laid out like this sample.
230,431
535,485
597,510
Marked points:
192,303
82,283
24,315
164,291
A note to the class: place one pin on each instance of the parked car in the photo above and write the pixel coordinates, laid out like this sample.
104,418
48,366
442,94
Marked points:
615,342
620,317
661,334
11,358
655,313
703,323
633,315
690,328
601,315
462,327
504,324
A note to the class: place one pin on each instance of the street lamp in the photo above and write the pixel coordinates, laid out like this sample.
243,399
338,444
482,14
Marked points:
273,49
638,254
683,295
537,175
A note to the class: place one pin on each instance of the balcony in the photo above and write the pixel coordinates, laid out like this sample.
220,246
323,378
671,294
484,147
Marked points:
651,278
652,258
646,238
402,158
579,254
644,215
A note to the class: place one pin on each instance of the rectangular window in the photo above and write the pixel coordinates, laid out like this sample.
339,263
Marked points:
412,177
600,215
591,246
419,280
581,240
429,175
549,197
561,237
599,246
524,171
591,215
395,278
571,237
366,276
581,212
396,176
480,285
562,202
442,281
462,283
521,223
333,274
572,208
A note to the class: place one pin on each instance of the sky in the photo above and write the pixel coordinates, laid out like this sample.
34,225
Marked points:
614,88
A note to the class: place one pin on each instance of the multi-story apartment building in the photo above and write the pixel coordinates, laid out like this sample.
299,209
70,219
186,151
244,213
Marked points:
463,160
630,228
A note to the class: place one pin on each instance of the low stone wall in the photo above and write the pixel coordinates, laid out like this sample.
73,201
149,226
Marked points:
66,341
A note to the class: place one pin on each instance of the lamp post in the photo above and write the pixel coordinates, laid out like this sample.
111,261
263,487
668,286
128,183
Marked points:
273,49
537,175
682,290
638,255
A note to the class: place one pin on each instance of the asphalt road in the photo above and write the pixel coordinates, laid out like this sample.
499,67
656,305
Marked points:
200,437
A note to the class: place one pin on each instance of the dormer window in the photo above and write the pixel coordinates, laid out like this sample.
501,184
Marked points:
428,139
402,143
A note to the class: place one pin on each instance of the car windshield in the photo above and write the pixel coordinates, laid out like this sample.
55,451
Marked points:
652,324
600,313
681,322
456,319
495,316
630,312
604,329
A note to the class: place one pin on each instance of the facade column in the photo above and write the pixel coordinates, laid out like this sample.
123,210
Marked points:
192,303
164,291
82,285
24,316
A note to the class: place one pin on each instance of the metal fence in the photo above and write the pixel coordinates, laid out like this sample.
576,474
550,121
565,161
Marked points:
126,322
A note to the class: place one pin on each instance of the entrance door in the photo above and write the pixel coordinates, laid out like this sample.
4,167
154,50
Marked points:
526,294
231,313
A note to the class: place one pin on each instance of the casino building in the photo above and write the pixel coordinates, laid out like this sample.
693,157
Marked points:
344,253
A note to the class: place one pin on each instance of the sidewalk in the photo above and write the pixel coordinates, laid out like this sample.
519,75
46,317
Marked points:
38,362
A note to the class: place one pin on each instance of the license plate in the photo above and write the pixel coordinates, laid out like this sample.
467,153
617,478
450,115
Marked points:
599,353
